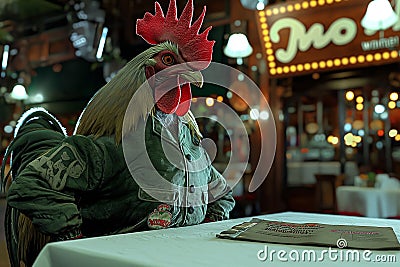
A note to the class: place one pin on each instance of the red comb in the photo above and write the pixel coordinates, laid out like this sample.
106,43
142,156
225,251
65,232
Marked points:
158,28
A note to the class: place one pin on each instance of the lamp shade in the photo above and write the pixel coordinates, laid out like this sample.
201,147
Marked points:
238,46
379,16
254,4
19,92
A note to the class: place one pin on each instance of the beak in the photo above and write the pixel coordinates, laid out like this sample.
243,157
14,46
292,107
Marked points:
194,77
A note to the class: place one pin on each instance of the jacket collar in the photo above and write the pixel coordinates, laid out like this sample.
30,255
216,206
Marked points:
167,126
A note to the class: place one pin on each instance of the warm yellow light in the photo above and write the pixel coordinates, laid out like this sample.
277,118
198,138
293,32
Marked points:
349,95
378,56
268,45
265,33
329,63
336,62
289,8
272,64
335,140
322,64
271,58
279,70
209,101
293,68
397,137
275,11
297,6
263,19
264,26
392,104
220,98
369,57
394,96
361,58
194,100
359,99
359,106
394,54
314,65
348,139
300,67
353,60
345,61
352,140
282,9
307,66
329,1
261,13
304,5
269,51
286,69
386,55
272,71
313,3
392,132
321,2
269,12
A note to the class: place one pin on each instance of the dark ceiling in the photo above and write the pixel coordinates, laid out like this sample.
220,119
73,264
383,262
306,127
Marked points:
40,30
21,18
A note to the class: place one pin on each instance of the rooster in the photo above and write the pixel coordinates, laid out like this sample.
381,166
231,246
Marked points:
67,187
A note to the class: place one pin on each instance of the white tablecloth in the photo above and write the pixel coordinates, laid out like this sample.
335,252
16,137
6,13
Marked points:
198,246
303,173
369,201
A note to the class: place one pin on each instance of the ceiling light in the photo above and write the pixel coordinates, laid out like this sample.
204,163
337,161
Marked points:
379,16
19,92
238,46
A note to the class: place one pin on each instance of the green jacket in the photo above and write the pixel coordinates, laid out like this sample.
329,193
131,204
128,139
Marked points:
84,185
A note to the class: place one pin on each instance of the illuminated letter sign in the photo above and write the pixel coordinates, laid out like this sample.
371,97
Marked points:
309,36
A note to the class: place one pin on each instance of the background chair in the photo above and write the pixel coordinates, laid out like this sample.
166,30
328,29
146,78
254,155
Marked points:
325,192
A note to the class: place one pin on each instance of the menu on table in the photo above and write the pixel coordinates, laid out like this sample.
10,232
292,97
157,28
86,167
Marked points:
316,234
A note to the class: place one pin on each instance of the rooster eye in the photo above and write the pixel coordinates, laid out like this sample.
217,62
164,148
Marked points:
168,59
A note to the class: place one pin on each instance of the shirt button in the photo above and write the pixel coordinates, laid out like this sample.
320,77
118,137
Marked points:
191,189
191,210
188,157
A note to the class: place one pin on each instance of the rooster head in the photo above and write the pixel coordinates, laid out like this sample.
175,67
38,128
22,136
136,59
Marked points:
186,53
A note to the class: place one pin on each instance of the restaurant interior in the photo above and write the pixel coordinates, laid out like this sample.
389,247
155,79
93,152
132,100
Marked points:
331,84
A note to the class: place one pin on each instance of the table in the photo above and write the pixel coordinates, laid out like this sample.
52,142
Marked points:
368,201
198,246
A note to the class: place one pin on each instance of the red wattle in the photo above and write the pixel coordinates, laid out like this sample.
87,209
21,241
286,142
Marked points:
185,100
168,101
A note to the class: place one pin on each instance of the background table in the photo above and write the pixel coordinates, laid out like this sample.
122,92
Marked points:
303,173
368,201
195,246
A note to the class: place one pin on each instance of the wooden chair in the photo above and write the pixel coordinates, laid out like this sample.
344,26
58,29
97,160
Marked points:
325,192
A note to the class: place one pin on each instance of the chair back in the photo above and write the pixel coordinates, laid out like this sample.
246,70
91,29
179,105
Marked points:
325,194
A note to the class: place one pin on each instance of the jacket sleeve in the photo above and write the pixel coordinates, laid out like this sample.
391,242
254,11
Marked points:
46,190
220,197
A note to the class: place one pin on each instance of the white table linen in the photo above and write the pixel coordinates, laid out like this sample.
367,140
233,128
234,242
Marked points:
199,246
303,173
369,201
